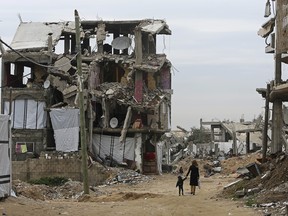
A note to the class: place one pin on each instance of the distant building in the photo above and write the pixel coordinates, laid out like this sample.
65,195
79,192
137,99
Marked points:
246,135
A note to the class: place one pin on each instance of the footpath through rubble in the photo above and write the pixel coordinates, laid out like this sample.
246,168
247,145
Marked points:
259,185
264,187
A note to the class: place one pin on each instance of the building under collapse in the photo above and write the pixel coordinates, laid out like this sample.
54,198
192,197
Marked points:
127,90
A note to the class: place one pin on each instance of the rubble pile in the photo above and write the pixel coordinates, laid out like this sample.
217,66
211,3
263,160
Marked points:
126,176
74,189
124,94
268,191
69,190
230,165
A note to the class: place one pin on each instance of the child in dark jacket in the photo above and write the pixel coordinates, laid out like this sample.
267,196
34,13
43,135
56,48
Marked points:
179,184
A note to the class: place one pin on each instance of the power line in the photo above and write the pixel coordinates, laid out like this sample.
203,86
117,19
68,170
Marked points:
36,63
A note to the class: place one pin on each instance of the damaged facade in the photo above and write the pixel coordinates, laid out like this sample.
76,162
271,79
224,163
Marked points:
235,138
127,90
275,34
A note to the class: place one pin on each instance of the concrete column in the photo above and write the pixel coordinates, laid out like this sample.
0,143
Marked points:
138,91
265,128
212,134
66,44
247,142
234,143
276,145
216,150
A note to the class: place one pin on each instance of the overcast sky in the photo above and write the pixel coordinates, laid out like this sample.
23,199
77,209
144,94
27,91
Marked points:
217,56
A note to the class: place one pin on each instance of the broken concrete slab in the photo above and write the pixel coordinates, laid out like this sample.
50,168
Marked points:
232,183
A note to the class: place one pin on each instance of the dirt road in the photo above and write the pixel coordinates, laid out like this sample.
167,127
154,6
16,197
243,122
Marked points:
156,197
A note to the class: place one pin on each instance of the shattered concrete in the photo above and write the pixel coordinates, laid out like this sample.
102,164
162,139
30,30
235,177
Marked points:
129,83
74,189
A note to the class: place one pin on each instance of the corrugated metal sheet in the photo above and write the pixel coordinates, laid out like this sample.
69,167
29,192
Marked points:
34,35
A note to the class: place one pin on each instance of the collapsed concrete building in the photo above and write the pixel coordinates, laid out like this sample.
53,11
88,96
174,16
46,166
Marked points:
127,90
235,138
275,34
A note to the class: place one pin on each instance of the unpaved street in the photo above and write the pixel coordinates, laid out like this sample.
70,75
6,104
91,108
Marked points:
156,197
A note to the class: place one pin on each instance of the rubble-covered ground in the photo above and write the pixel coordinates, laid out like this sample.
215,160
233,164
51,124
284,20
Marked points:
266,194
74,189
267,191
153,195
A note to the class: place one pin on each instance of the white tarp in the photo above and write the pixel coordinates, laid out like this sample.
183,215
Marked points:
27,114
5,172
65,123
104,145
159,151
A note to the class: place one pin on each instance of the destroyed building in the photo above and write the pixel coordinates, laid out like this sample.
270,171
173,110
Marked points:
275,35
234,137
126,85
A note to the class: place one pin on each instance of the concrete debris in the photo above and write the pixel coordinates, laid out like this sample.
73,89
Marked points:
267,185
127,176
267,204
282,188
233,183
123,95
266,175
253,191
240,193
74,189
242,171
70,190
217,169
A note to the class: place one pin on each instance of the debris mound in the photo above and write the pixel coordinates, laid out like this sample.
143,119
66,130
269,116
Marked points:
74,189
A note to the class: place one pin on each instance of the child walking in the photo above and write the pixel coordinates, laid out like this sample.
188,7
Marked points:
179,184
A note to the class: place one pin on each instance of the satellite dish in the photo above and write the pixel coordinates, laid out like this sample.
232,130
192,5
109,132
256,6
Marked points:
121,43
113,122
46,84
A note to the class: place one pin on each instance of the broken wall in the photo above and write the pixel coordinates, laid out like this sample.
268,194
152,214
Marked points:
32,169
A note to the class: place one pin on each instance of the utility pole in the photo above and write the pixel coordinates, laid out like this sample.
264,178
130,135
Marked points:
81,105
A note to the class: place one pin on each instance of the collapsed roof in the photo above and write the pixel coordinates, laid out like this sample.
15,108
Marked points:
34,35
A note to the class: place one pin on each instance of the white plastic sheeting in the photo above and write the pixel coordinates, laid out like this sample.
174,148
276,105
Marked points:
5,161
104,145
27,114
65,123
160,155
